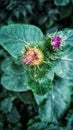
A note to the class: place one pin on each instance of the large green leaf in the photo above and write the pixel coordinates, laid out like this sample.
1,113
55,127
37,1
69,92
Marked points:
61,2
17,77
14,37
56,102
64,65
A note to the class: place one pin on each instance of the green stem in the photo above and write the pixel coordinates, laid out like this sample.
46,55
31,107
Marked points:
20,97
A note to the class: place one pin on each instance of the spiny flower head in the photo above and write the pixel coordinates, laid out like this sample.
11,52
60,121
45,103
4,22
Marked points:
33,56
56,41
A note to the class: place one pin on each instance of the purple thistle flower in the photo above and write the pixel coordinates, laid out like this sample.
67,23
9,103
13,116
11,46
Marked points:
26,59
56,41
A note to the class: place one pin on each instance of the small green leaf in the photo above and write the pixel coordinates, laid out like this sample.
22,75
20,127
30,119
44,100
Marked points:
61,2
13,116
26,97
14,37
6,105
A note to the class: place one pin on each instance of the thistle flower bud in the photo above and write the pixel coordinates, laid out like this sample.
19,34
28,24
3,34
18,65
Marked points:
56,41
33,56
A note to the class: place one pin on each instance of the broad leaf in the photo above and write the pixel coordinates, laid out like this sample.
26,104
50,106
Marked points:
16,77
14,37
64,65
56,102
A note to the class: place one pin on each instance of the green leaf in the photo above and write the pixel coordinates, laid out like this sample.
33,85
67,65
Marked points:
26,97
1,125
16,126
70,123
65,12
14,37
14,77
1,52
61,2
66,37
6,64
13,116
72,1
38,126
6,105
14,82
56,102
42,84
43,126
64,65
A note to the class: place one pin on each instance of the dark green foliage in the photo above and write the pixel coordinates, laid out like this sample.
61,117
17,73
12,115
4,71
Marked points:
70,123
44,126
61,2
49,15
13,116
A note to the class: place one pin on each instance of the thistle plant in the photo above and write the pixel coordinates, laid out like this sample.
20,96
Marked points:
41,64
